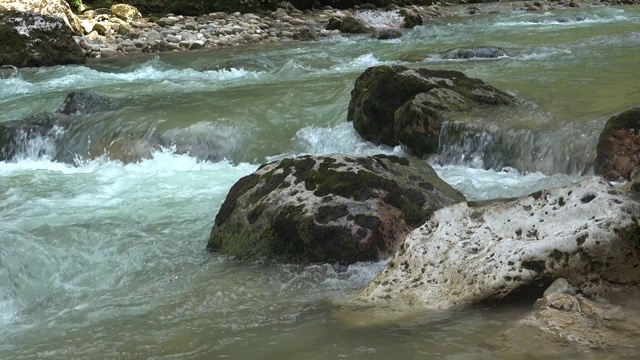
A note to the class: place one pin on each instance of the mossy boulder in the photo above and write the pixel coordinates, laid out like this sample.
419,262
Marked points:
31,40
618,151
333,208
385,106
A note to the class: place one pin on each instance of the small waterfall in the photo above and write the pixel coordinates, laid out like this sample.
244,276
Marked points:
568,150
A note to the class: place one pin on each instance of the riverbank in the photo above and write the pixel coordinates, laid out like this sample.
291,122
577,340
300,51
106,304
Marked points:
108,36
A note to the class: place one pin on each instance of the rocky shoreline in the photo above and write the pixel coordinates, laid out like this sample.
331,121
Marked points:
108,35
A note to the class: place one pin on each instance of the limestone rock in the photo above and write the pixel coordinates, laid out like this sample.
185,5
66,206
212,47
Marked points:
385,106
468,254
595,323
618,149
333,208
31,40
55,8
125,12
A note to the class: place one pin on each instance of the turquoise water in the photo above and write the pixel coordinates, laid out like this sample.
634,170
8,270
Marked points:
105,259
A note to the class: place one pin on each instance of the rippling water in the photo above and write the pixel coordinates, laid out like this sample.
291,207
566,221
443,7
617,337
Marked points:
102,258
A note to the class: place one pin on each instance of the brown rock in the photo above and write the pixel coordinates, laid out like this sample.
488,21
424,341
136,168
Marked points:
618,151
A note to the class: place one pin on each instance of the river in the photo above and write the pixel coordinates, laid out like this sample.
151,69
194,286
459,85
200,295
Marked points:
101,259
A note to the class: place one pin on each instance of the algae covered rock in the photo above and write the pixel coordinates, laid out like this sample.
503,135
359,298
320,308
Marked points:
618,151
333,208
380,92
32,40
468,254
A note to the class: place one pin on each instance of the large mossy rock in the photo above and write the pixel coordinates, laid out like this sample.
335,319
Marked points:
333,208
396,105
588,233
618,151
31,40
55,8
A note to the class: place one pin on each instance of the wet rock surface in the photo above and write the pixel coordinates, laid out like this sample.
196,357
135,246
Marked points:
335,208
396,105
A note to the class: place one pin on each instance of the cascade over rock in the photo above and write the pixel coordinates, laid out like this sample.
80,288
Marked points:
54,8
335,208
619,146
396,105
15,135
588,233
33,40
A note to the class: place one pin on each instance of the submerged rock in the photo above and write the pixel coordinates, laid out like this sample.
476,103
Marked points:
481,53
85,102
592,322
47,128
619,146
468,254
333,208
388,34
396,105
31,40
635,179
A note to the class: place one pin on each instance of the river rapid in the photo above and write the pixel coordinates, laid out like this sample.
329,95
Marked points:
104,259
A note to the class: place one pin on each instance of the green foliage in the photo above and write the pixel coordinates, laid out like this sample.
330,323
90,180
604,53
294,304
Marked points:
75,4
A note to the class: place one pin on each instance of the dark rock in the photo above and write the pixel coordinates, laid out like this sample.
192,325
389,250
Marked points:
411,19
635,179
380,92
85,102
481,53
30,40
618,151
388,34
348,25
334,208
